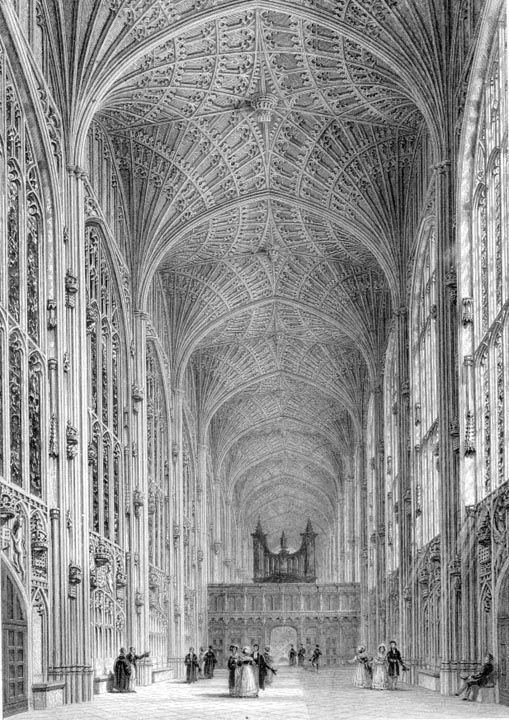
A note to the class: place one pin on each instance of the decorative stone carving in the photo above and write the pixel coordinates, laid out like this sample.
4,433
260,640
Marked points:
53,439
138,501
72,440
38,535
8,505
264,104
101,554
216,546
467,315
75,578
469,446
51,307
137,393
71,288
139,601
153,579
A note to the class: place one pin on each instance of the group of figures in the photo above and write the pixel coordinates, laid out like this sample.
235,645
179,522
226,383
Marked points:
201,665
298,657
124,670
379,672
249,670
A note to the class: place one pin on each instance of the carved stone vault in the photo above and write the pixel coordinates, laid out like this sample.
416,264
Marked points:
263,150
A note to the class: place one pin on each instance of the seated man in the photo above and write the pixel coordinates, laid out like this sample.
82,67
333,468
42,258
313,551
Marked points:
473,682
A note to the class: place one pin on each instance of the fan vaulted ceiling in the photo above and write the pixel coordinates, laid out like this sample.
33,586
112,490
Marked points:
262,147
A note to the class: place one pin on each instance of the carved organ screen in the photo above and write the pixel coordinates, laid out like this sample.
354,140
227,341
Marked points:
490,274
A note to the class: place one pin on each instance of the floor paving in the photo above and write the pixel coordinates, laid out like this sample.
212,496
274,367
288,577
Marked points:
295,695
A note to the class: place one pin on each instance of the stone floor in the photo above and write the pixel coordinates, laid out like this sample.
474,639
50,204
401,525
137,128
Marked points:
295,694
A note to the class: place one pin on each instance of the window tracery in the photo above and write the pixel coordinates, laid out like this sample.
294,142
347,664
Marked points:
424,401
490,273
106,373
22,350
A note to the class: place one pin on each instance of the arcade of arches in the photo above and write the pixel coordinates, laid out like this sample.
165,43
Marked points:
254,264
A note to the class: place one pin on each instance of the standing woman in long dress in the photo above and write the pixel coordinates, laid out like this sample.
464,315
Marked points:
379,665
233,668
245,683
362,675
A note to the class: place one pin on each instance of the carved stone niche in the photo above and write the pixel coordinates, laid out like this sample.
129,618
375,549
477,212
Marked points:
8,506
101,555
434,550
467,315
138,501
38,536
121,578
139,601
483,533
75,577
137,393
71,288
153,580
51,307
407,594
72,440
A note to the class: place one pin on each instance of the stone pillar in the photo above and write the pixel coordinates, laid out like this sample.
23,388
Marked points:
140,614
71,655
448,395
203,555
403,489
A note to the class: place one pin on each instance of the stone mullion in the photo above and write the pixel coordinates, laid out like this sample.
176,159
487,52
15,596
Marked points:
380,512
203,556
179,522
447,395
361,521
351,545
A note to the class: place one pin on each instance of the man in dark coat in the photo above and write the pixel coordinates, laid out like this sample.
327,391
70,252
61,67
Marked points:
292,655
132,658
394,662
315,658
473,682
301,655
122,672
210,662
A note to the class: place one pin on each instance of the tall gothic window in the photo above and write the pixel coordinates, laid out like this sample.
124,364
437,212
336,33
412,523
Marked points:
106,372
392,500
22,340
158,468
107,472
424,399
490,269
